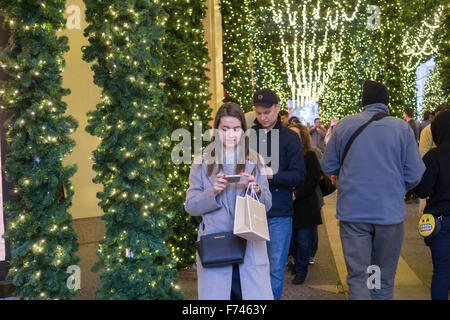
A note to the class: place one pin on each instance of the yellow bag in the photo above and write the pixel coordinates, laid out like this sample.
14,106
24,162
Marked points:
429,226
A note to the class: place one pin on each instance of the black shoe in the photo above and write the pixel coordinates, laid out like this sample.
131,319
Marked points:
298,279
291,267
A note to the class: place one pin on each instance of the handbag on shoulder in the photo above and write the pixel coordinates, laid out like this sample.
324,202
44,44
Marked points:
220,249
326,186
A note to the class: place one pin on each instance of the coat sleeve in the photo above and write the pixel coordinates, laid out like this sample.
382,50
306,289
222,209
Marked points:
295,172
261,179
413,168
331,162
312,177
198,199
426,186
426,140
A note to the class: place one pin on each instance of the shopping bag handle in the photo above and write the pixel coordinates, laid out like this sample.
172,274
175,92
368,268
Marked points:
253,193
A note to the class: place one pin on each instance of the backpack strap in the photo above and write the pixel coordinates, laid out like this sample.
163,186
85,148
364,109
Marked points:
376,117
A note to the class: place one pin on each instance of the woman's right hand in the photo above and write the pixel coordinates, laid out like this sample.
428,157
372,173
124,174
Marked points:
219,183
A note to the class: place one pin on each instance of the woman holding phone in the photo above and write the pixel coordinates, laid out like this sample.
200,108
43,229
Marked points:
214,198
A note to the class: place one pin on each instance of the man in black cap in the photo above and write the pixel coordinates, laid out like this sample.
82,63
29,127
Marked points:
380,165
285,169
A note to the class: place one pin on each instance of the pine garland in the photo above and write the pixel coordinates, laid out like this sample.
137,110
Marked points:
237,52
43,242
444,52
125,39
433,93
186,87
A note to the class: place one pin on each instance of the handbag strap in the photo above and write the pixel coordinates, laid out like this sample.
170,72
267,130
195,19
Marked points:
376,117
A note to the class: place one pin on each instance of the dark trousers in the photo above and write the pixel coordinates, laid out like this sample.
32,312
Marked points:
236,292
302,249
314,242
440,254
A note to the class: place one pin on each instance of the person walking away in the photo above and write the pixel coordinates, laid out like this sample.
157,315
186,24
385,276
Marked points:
284,116
426,143
290,173
408,115
306,207
435,184
333,123
425,120
212,197
318,135
426,140
381,164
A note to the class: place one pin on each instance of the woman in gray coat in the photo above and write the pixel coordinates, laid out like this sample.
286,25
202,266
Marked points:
212,197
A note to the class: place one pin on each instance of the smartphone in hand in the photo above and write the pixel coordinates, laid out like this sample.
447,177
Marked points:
232,178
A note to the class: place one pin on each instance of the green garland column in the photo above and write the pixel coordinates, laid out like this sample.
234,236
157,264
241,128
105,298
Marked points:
400,83
125,39
237,52
186,87
43,242
444,52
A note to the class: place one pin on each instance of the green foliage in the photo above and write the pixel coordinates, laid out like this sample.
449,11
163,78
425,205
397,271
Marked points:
267,71
237,52
43,242
252,53
186,88
375,54
125,44
444,52
433,93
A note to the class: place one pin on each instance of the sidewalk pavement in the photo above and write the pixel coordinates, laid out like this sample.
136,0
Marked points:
326,279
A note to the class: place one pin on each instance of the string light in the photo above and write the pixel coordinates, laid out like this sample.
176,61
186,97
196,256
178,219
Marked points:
39,138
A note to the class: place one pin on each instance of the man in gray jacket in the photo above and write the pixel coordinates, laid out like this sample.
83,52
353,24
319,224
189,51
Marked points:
382,163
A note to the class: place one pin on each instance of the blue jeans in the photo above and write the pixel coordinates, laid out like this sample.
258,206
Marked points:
302,247
280,232
440,254
314,242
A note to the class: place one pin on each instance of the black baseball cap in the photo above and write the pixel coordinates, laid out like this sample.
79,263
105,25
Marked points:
265,98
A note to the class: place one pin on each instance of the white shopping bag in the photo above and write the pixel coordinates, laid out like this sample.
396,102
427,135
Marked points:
250,219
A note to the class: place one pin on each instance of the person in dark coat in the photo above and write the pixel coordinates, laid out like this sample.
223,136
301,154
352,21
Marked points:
435,184
306,207
282,150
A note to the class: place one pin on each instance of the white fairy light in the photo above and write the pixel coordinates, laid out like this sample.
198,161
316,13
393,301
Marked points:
308,69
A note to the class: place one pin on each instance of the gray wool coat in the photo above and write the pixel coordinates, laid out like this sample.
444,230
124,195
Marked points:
215,283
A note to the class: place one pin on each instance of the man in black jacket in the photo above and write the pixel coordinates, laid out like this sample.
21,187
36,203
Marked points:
285,171
435,184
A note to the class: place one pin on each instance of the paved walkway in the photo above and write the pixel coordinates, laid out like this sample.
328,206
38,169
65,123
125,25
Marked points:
326,279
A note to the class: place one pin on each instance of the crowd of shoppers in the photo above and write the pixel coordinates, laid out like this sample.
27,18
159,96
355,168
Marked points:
375,158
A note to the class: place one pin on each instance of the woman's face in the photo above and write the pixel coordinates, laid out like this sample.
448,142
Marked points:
230,131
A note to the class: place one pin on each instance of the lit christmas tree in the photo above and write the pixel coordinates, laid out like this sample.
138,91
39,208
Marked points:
43,242
444,52
433,93
186,87
125,39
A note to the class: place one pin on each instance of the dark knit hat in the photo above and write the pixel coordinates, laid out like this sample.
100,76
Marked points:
265,98
374,92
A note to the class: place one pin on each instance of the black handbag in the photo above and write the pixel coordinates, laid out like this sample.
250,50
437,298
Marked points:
221,249
326,186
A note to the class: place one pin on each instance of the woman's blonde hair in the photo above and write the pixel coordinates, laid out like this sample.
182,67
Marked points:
305,137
